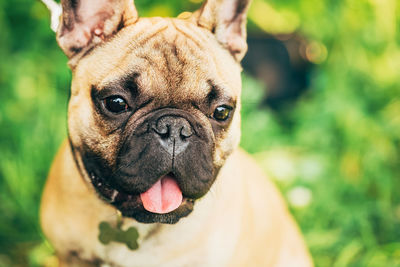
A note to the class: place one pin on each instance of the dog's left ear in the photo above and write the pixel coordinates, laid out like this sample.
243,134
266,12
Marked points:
227,20
86,23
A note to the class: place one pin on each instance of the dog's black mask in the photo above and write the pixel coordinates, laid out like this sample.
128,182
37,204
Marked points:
165,141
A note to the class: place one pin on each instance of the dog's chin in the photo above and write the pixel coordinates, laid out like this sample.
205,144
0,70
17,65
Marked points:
135,209
130,205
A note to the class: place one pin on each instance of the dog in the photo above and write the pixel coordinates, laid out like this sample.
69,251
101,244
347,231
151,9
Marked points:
151,173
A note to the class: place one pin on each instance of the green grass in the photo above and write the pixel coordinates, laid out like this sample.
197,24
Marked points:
340,141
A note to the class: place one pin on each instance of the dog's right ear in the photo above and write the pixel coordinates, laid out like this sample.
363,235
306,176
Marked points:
86,23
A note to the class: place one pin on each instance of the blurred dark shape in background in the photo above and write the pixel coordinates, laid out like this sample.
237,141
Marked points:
280,63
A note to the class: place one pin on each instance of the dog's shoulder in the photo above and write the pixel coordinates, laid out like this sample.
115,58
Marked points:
267,225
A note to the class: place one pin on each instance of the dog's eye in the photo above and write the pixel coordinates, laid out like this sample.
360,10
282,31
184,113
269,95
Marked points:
116,104
222,113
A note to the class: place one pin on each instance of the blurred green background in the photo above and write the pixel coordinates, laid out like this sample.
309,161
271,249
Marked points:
334,151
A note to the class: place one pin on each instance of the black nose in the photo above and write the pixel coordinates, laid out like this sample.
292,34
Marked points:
173,133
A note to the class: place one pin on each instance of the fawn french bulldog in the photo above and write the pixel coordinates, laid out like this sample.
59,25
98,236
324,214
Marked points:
154,128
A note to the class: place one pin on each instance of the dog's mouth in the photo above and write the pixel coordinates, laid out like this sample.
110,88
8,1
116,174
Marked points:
162,197
162,202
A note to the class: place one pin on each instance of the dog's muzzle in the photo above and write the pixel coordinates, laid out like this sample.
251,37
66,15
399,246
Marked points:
164,163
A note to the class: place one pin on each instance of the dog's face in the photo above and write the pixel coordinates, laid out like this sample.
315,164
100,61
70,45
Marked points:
154,109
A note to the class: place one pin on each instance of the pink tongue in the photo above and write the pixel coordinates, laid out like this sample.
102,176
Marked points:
163,197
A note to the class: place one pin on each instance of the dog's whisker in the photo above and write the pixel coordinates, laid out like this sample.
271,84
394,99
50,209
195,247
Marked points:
114,195
213,192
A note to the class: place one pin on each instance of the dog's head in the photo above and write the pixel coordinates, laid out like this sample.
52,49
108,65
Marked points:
154,108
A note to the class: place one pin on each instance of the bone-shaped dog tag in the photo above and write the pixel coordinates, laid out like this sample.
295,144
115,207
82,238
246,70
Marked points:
107,234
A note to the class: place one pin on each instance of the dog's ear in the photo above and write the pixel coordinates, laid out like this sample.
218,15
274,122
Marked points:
86,23
227,20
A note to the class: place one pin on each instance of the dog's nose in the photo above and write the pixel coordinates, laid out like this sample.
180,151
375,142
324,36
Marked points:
173,133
